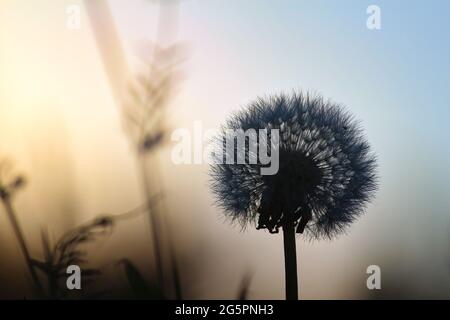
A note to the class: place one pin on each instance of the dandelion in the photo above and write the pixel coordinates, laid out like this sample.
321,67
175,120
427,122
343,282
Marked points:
326,173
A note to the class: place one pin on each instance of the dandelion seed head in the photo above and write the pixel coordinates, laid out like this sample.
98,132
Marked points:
327,173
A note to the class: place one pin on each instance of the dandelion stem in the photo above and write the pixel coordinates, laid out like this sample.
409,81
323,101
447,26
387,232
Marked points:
290,261
23,246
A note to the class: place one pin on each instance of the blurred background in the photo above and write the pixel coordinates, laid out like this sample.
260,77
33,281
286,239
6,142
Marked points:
64,94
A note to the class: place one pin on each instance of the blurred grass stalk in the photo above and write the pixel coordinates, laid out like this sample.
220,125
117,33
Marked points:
114,60
6,200
109,45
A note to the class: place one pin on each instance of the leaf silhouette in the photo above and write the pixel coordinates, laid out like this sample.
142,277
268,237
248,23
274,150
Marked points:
244,288
139,286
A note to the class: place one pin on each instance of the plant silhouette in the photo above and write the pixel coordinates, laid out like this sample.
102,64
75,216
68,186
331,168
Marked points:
144,109
326,175
10,183
69,250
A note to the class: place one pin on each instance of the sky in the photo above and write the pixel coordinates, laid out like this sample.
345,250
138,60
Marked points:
57,116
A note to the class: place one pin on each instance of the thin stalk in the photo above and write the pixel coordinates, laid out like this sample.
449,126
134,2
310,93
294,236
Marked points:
290,261
52,276
154,223
175,273
109,46
20,238
53,285
175,270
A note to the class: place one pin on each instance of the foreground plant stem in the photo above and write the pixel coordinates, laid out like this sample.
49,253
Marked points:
290,261
23,246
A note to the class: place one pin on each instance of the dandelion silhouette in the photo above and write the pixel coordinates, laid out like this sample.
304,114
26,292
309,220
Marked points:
326,173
